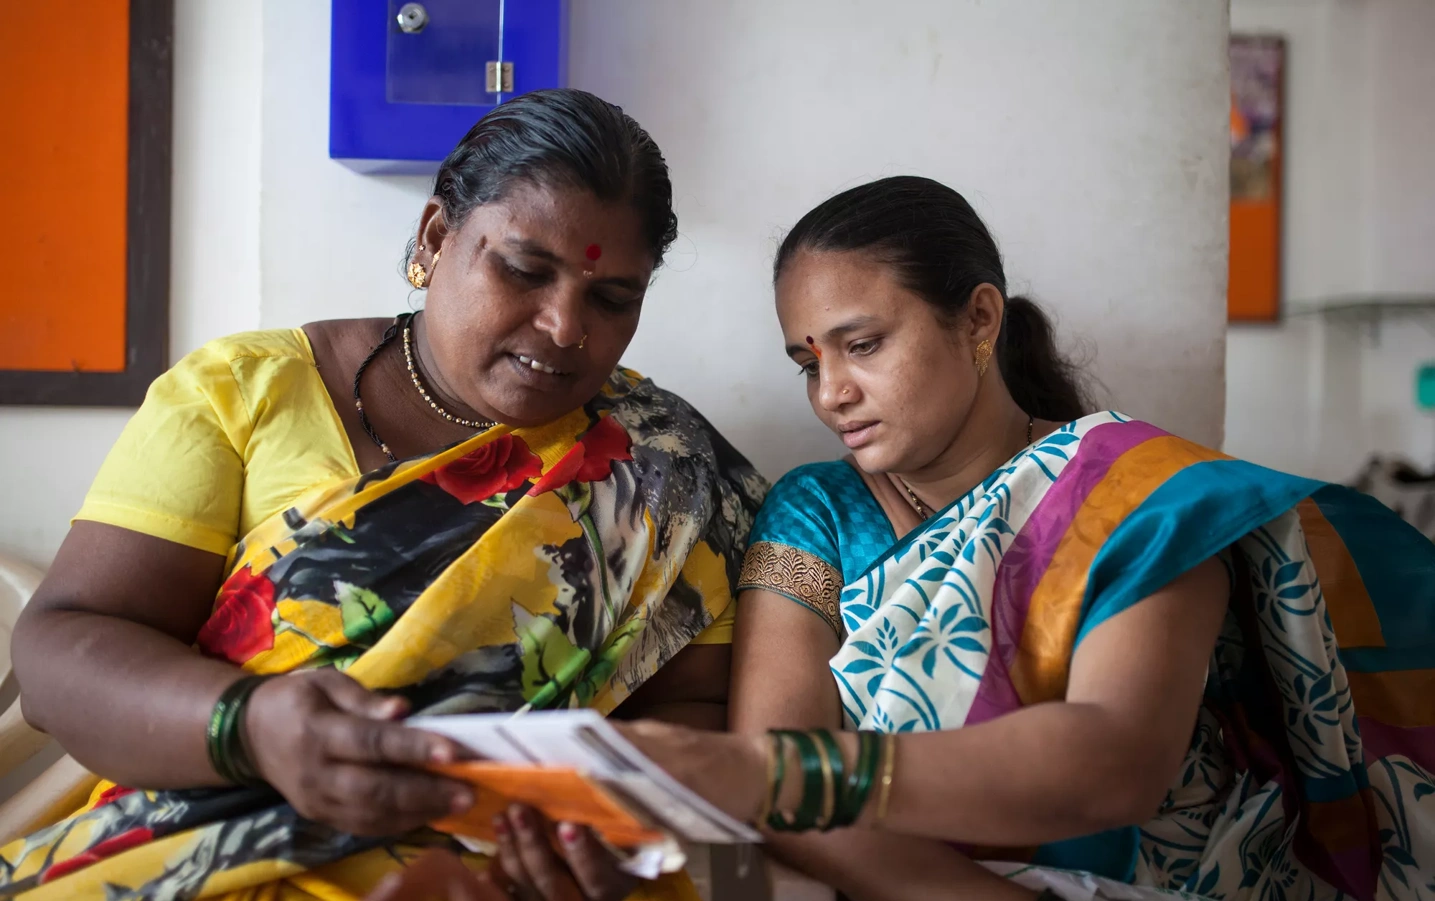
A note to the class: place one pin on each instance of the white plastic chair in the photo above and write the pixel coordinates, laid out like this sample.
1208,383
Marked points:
18,742
62,787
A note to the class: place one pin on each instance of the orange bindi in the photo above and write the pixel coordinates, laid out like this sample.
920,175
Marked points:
815,349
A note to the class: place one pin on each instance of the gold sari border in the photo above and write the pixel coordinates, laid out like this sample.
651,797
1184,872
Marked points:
796,575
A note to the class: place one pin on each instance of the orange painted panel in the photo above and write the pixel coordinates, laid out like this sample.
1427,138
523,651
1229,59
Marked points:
1255,287
63,200
1257,101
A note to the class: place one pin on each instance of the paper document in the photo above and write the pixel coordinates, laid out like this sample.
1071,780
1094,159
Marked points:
584,741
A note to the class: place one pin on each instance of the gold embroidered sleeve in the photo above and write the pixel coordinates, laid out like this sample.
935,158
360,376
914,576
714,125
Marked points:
795,574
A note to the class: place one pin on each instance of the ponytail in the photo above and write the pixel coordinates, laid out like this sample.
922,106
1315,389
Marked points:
1042,381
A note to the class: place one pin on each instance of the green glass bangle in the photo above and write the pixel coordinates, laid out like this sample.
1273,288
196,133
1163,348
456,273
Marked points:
225,735
860,779
873,749
775,819
809,807
833,781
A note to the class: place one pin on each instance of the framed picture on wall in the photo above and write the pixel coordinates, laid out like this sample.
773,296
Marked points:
85,212
1257,113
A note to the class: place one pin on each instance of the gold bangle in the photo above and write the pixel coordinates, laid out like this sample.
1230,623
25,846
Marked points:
829,793
884,790
770,792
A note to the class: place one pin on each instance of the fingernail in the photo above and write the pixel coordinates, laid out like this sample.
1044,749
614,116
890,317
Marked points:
441,753
568,833
390,881
500,827
392,708
521,819
461,801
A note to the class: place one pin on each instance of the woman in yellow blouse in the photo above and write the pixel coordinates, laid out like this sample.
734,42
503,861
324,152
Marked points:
471,508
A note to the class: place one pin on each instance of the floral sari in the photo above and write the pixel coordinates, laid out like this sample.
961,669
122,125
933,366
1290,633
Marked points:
556,566
1309,774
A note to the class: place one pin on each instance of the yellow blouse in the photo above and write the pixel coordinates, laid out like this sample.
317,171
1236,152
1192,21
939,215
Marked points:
233,434
230,436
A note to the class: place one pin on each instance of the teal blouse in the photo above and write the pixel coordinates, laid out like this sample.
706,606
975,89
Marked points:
819,529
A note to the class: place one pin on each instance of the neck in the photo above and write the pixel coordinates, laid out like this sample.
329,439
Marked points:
433,378
995,430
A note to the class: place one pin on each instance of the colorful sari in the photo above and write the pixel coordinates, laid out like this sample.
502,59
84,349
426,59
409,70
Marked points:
557,566
1309,771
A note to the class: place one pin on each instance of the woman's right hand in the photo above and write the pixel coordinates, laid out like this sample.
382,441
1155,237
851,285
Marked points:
334,751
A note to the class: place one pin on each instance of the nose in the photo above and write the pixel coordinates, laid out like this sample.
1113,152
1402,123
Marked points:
834,389
561,317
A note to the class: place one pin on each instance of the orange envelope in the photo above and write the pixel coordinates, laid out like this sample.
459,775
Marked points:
561,794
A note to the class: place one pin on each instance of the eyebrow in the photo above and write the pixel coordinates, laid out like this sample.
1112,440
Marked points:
529,247
837,331
532,249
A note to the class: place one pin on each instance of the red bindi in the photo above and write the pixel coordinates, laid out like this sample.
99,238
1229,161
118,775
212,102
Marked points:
593,252
815,349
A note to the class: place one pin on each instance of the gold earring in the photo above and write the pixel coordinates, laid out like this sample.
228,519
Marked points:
584,341
982,356
417,275
436,255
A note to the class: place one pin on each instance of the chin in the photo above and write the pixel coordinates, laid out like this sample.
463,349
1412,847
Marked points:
873,459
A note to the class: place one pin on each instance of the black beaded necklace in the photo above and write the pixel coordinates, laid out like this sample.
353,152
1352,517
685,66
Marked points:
403,323
389,335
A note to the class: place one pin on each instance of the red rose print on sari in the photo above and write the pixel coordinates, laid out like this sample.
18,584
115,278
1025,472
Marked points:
500,466
242,624
591,459
107,848
113,794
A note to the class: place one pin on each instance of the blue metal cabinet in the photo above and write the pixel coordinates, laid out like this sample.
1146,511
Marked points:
400,97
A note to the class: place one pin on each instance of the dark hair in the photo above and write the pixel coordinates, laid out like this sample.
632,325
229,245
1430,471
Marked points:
942,251
560,138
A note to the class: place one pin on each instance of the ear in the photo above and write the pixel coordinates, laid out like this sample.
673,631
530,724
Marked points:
433,228
984,312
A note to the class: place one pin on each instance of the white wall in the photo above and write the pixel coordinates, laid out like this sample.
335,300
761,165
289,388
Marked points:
1310,396
1091,136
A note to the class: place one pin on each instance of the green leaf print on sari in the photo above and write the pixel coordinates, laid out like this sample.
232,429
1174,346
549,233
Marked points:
366,616
609,656
551,663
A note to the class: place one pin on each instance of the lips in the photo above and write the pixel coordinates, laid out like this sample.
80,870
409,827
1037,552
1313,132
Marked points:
539,365
856,434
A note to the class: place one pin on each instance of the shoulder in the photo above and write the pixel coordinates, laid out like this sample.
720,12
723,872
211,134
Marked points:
262,364
223,359
1112,443
803,509
663,421
230,375
664,426
212,367
828,483
280,344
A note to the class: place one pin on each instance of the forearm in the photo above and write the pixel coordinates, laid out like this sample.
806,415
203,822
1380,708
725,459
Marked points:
877,866
1040,774
128,702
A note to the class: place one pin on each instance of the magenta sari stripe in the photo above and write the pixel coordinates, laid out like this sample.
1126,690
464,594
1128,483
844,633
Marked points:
1024,563
1352,870
1381,740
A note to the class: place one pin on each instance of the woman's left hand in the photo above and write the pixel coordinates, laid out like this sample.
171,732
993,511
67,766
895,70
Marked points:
585,871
